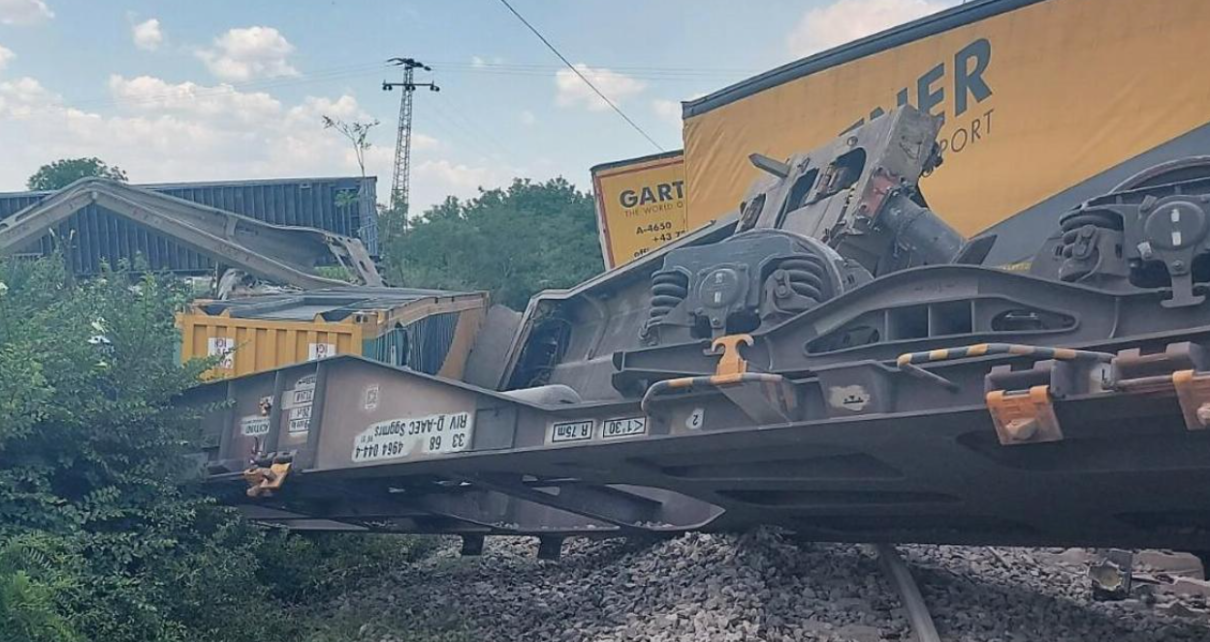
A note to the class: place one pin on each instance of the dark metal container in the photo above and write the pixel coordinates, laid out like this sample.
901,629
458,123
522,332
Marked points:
95,236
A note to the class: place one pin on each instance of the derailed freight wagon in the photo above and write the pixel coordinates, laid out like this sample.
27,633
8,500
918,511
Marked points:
94,236
1046,103
429,331
837,361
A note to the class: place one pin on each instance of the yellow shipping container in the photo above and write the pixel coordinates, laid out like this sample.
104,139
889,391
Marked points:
429,331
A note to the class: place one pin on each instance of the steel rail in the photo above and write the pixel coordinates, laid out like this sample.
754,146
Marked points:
918,613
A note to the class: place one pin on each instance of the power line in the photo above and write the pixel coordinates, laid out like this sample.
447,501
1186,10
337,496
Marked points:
473,127
545,73
582,76
444,123
522,68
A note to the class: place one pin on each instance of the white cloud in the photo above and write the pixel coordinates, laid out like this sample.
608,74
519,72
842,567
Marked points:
435,179
669,111
24,12
846,20
527,117
220,102
6,56
575,92
165,132
147,35
313,108
424,142
480,62
464,177
161,131
247,53
21,98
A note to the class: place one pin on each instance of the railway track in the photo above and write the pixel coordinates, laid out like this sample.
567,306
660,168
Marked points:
909,594
761,586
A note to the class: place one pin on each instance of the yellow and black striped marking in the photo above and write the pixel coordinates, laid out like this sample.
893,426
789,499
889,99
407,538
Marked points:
706,382
986,349
713,381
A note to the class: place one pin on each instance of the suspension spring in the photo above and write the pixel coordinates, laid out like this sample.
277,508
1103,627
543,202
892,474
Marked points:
1076,221
1078,243
806,276
668,289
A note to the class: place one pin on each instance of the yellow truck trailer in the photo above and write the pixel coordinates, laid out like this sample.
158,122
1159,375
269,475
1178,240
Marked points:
1046,103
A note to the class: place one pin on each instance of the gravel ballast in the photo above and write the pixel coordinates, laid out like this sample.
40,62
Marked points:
759,586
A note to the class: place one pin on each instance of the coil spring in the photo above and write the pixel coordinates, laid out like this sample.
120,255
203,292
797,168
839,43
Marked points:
668,289
1073,223
807,276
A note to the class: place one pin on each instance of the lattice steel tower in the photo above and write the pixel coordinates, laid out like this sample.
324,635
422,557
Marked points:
403,139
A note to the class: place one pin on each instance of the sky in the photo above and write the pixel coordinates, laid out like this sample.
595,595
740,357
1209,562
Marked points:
174,91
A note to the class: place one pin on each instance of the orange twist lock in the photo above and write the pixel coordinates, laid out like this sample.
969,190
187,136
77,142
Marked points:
731,366
1193,392
1024,417
263,481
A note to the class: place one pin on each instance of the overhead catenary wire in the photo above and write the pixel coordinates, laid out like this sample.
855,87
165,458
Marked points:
546,74
444,123
455,114
655,73
582,77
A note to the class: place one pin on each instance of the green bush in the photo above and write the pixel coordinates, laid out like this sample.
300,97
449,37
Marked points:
30,580
99,540
316,567
90,452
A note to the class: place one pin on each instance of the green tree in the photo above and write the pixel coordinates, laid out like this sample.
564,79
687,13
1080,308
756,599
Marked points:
62,173
90,464
392,222
358,134
102,534
513,242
